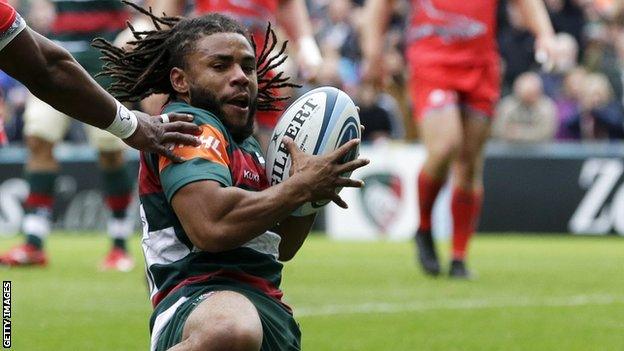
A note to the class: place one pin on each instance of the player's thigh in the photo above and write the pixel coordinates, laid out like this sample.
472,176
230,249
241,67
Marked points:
479,103
43,121
103,141
438,116
224,320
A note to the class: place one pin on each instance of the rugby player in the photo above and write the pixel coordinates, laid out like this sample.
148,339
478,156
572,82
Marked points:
454,86
52,74
214,232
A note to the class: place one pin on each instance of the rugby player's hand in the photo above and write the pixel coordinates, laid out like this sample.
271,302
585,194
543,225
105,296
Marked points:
152,135
319,176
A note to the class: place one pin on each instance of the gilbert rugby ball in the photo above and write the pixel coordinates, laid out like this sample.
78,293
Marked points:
319,122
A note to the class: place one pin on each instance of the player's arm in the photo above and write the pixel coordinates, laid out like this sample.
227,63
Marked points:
376,18
293,16
537,21
218,218
53,75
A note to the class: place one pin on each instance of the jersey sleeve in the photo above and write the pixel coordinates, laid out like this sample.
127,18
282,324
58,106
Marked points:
11,24
208,161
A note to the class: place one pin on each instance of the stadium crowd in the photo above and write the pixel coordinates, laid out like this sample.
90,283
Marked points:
580,96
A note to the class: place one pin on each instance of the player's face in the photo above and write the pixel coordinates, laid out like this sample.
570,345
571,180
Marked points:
223,79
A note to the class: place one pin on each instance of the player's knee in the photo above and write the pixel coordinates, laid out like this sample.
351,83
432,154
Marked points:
228,334
444,149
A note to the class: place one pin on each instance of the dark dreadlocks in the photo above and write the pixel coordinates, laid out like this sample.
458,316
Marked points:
145,70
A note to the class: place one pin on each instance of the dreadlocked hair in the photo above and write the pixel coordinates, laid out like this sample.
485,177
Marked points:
145,69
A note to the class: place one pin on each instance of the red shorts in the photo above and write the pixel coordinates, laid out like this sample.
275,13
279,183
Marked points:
476,88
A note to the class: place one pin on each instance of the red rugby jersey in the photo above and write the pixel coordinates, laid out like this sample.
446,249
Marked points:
452,32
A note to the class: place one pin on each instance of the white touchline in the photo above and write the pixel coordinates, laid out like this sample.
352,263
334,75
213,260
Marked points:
458,304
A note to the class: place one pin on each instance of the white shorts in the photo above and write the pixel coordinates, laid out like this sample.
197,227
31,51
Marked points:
43,121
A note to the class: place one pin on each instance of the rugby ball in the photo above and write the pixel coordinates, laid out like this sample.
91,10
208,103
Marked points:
319,122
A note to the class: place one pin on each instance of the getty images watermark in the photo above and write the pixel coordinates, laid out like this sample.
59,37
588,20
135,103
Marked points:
6,314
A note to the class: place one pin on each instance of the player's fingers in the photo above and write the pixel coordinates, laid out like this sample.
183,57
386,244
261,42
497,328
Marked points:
181,117
182,127
340,152
352,165
349,183
179,138
293,149
339,201
168,153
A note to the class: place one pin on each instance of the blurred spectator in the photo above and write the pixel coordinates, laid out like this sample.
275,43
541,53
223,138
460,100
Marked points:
600,116
567,102
611,61
337,31
380,114
14,99
372,116
330,74
527,115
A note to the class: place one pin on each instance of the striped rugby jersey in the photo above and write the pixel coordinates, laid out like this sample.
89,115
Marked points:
78,22
11,23
172,260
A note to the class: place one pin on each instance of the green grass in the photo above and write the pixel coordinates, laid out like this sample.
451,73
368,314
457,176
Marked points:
532,293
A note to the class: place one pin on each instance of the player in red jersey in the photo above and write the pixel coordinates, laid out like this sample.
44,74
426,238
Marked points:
292,15
454,85
53,75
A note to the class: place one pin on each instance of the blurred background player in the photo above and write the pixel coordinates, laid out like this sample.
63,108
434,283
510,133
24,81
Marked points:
291,15
454,86
76,23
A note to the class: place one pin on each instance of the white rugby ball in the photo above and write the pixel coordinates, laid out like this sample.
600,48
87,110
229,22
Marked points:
319,122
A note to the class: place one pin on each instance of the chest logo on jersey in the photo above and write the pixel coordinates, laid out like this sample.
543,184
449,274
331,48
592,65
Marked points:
253,176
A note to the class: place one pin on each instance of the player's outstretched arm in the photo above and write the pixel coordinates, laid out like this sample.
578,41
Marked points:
535,15
53,75
376,17
220,218
293,16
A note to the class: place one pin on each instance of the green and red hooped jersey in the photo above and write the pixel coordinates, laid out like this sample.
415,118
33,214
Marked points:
78,22
11,23
172,260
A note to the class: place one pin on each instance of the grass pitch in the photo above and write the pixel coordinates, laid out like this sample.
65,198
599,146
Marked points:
532,293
